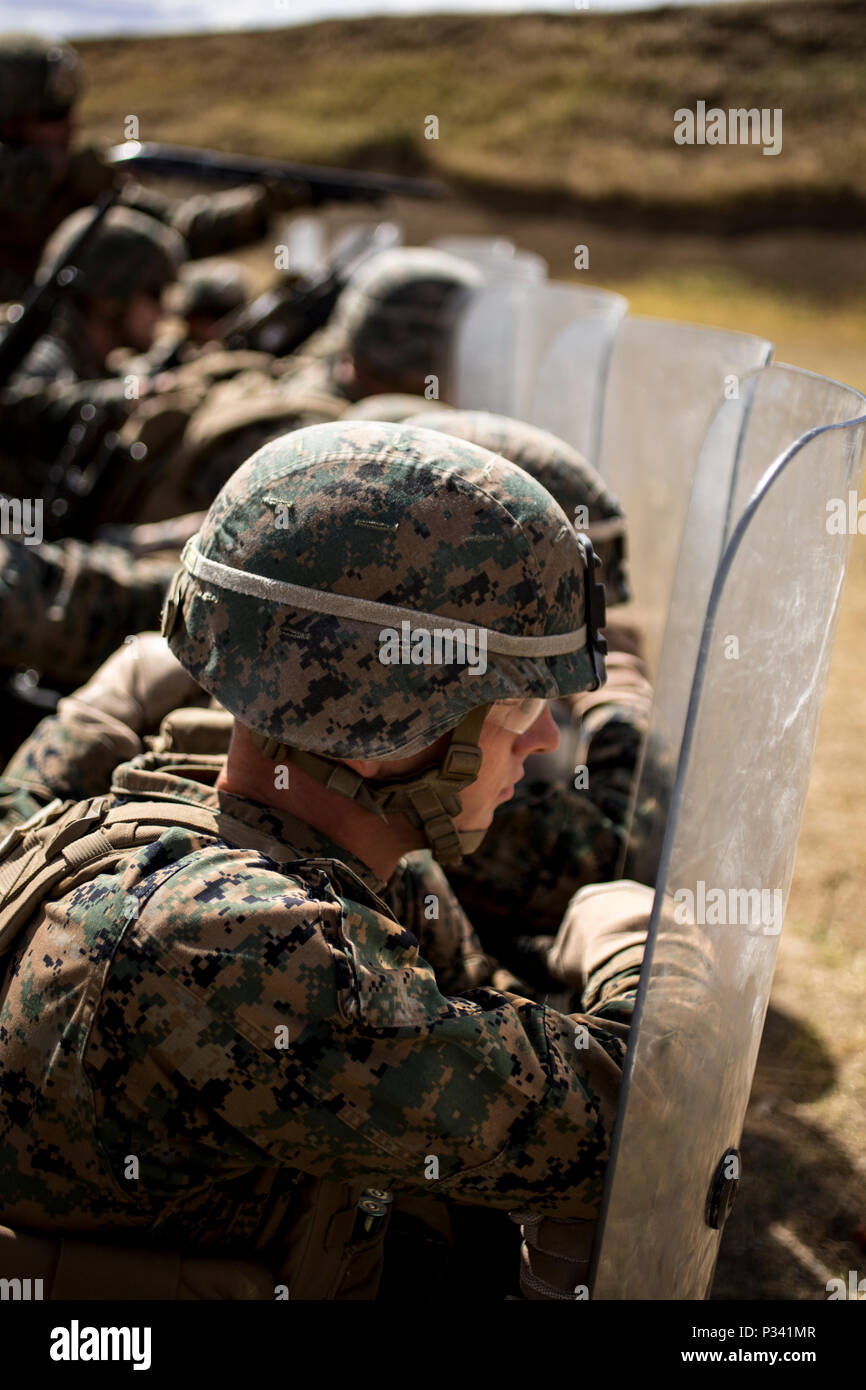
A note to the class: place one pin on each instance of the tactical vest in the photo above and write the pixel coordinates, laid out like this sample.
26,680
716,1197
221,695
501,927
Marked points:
336,1245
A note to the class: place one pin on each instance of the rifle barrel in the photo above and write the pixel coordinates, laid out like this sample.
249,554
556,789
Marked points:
213,166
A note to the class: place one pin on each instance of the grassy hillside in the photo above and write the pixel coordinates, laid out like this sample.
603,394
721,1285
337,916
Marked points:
577,110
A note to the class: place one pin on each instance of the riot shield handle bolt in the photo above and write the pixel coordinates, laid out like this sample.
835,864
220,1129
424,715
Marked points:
723,1189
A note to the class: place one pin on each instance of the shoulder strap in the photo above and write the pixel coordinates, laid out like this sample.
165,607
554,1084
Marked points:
32,848
66,837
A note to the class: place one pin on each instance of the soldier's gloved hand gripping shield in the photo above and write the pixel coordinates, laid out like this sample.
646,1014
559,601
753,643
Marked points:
728,859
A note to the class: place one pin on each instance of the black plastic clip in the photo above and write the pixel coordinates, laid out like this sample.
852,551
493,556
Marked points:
595,609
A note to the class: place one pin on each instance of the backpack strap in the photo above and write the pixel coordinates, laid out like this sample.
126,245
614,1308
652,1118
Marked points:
65,837
37,854
156,816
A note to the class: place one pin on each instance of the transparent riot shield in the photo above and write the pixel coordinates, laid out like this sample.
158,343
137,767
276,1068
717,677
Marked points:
664,384
571,374
373,237
496,256
305,238
775,406
520,347
728,853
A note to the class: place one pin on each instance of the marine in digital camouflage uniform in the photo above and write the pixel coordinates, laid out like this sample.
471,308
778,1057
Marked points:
559,831
390,332
553,837
205,292
42,180
240,1011
64,390
65,607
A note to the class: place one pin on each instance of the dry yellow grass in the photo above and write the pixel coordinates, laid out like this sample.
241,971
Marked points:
579,104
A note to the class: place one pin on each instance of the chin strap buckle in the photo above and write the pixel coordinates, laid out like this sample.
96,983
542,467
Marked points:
462,762
171,606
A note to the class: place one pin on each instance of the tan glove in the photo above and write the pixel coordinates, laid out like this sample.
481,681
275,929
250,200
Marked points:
601,921
136,687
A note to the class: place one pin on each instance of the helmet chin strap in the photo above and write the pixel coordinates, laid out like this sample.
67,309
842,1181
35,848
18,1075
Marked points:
428,799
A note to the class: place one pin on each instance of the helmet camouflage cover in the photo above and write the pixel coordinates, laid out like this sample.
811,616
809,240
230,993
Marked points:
210,287
392,406
337,547
557,466
399,310
130,253
38,78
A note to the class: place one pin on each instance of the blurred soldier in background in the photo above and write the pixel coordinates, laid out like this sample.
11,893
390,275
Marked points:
204,293
114,301
391,331
65,397
396,320
43,180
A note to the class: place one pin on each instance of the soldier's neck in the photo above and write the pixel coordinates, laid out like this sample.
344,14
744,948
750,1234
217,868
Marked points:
248,773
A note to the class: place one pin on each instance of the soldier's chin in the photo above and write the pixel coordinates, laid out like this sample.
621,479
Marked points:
485,818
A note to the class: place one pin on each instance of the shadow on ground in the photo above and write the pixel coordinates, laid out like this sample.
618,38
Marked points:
800,1202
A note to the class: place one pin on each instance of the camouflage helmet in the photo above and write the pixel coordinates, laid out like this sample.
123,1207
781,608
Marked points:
557,466
38,77
358,590
393,406
211,287
398,312
130,253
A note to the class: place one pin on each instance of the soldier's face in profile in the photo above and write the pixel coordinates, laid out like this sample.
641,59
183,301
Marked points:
49,132
142,316
503,754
